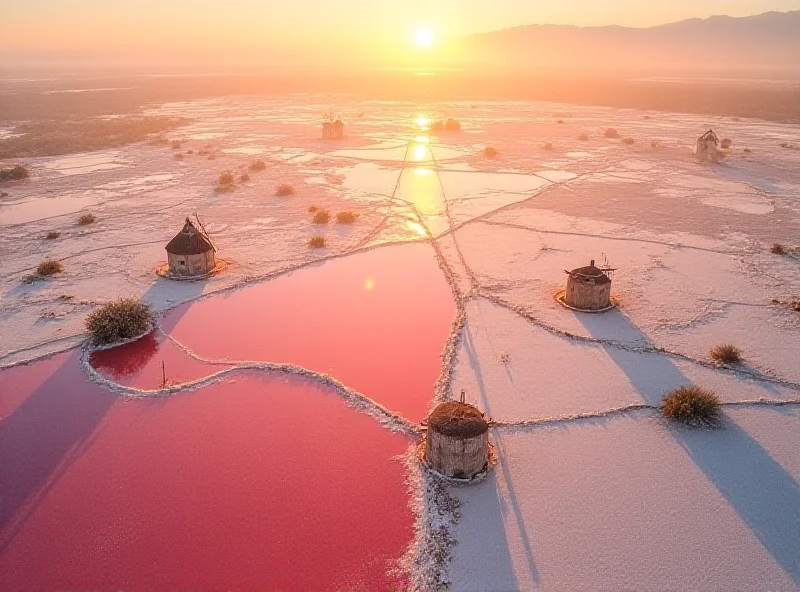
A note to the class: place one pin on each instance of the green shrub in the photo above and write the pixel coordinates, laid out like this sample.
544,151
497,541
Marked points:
692,405
119,320
87,219
725,354
321,217
346,217
284,190
49,267
15,173
317,242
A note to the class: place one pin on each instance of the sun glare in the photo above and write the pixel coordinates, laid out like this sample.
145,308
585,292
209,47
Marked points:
423,37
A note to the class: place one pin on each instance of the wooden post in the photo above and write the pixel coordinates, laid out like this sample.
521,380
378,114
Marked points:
163,374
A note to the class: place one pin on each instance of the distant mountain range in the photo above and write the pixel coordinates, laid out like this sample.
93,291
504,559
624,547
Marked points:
766,42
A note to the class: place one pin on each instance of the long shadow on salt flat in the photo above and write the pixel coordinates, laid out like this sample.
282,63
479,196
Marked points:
501,570
760,490
48,430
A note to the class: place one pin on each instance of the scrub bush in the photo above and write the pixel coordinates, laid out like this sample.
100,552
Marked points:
49,267
692,405
317,242
321,217
15,173
726,354
284,190
119,320
346,217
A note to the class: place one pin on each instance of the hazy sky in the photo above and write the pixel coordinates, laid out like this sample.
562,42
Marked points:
152,26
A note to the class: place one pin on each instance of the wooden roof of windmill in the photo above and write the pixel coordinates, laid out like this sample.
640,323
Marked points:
456,419
190,241
592,273
710,135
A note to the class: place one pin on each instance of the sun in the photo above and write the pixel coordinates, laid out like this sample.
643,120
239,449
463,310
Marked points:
424,37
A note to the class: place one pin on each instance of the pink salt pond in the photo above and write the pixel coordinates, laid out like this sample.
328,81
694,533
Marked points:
258,482
376,321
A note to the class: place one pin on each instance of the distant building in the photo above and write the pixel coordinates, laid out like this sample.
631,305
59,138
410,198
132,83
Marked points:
588,288
446,125
191,252
708,147
333,130
457,441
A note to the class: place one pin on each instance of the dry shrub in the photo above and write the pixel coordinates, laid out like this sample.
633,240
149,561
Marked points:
258,165
244,178
284,190
176,144
178,156
747,150
312,209
726,354
15,173
549,147
611,133
583,137
726,143
778,249
560,121
119,320
49,267
628,141
317,242
490,152
321,217
52,235
87,219
692,405
190,152
346,217
656,144
226,178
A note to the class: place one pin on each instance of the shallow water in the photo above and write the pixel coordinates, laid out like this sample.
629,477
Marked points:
90,162
44,207
259,482
376,321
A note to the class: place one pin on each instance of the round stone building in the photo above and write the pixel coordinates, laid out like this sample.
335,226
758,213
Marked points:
588,288
457,442
190,253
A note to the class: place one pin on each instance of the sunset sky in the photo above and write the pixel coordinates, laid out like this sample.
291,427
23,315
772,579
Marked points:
246,27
